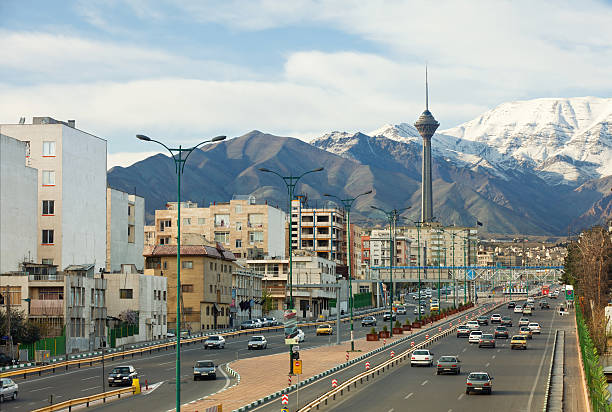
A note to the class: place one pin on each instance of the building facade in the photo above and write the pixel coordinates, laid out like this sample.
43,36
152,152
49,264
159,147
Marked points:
124,230
71,205
18,200
243,226
206,284
246,296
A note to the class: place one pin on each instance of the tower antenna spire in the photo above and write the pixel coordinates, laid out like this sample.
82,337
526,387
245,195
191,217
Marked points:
426,90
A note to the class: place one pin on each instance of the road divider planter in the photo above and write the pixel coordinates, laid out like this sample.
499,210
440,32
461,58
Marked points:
372,336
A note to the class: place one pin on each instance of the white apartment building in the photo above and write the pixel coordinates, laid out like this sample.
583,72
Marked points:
145,294
18,211
124,230
246,287
71,207
320,230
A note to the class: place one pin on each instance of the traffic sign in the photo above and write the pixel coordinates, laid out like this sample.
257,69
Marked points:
569,292
290,325
367,365
284,410
392,354
297,367
412,343
285,400
334,383
471,274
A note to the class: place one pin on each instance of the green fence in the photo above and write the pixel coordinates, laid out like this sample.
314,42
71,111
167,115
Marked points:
122,331
55,346
596,381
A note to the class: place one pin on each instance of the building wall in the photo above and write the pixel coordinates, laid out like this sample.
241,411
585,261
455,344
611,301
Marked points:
121,249
18,206
90,314
276,232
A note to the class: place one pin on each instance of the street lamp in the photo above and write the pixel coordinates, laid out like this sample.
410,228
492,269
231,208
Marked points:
347,203
179,168
291,181
392,216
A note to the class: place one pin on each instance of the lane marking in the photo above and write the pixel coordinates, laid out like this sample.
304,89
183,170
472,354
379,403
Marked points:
409,395
460,396
498,350
493,357
84,379
487,364
88,389
42,389
391,410
535,382
464,349
167,363
424,382
450,410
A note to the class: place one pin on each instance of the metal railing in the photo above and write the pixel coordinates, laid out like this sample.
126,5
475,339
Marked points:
87,400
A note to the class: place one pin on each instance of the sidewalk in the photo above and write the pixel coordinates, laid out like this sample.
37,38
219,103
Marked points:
573,384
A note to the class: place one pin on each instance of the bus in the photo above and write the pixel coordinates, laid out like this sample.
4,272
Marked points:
545,290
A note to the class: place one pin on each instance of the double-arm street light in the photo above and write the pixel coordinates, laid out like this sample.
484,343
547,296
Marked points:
179,155
392,216
348,203
291,181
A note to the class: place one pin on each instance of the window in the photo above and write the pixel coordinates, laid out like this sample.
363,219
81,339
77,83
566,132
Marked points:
207,310
164,224
210,288
187,264
186,220
164,240
186,288
256,220
131,234
238,208
47,261
238,225
126,293
221,220
201,221
238,243
164,297
48,177
255,237
47,237
48,207
222,237
48,149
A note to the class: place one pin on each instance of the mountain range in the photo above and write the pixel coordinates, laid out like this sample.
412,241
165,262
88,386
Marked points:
541,167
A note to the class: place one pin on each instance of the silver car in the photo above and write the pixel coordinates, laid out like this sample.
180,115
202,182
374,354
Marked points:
9,389
204,369
258,342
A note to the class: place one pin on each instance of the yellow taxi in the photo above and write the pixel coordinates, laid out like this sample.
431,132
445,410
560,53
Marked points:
518,342
324,330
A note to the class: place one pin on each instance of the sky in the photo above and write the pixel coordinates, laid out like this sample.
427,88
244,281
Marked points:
183,70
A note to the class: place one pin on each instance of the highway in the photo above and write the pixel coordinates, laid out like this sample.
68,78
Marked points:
519,384
158,368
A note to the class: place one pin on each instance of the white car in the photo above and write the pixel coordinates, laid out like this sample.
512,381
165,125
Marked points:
496,318
475,336
401,310
416,310
530,300
257,342
524,322
421,357
215,341
8,389
535,327
473,325
300,336
518,309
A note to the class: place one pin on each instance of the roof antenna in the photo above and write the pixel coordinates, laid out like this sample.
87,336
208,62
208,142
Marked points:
426,90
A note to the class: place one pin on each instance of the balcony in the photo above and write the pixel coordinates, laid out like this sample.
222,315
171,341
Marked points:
39,307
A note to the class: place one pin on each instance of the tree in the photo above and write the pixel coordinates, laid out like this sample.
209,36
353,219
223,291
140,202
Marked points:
22,330
267,303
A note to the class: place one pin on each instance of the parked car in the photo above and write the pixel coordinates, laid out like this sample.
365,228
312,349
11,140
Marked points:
486,341
257,342
6,360
8,389
368,321
448,364
248,324
501,332
479,382
518,342
268,322
215,341
170,335
122,375
421,357
204,369
260,322
324,330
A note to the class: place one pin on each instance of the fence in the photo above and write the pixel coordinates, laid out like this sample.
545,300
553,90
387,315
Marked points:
596,381
122,331
55,346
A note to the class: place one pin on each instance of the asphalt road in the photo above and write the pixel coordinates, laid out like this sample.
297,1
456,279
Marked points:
158,368
519,376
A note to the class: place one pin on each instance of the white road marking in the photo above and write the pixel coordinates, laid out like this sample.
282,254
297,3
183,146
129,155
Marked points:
91,377
409,395
498,350
391,410
424,382
450,410
88,389
460,396
487,364
535,382
40,389
167,363
493,357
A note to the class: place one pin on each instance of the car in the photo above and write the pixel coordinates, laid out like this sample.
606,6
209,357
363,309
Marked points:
518,342
530,300
324,330
300,336
434,308
368,321
8,389
448,364
463,332
269,322
501,332
482,320
122,375
248,324
479,382
544,304
527,311
472,325
496,318
416,310
401,310
523,322
511,305
421,357
518,309
506,321
475,336
214,341
260,322
389,316
524,330
170,335
535,327
257,342
6,360
486,341
204,369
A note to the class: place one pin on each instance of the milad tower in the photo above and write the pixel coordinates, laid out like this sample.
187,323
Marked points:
426,125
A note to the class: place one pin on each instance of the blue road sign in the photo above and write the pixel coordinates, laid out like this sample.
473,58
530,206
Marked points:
471,274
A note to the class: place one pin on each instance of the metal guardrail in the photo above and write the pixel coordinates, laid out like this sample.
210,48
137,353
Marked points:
553,398
86,400
93,357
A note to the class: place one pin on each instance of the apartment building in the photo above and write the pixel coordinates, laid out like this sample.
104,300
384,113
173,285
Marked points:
310,275
125,215
365,257
319,230
71,198
246,295
242,225
18,200
147,295
206,284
